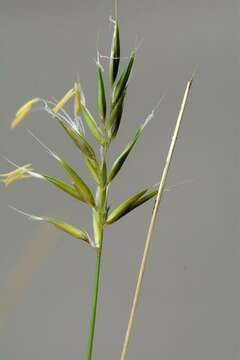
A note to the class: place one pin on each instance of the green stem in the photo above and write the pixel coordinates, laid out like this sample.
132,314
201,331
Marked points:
98,229
95,301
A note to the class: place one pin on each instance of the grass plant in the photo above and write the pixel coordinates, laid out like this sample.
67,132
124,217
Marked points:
78,125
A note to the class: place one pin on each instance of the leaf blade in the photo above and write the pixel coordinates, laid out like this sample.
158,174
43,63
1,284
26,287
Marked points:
93,169
102,105
89,155
115,54
115,117
137,201
69,229
144,199
92,125
80,141
118,163
63,186
123,81
124,207
79,184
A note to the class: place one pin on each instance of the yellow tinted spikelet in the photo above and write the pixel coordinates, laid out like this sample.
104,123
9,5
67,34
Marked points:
64,100
20,173
77,100
23,112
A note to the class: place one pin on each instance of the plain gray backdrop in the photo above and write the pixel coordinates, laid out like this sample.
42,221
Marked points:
189,308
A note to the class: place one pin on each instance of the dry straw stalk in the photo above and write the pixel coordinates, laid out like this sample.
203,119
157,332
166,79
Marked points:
153,221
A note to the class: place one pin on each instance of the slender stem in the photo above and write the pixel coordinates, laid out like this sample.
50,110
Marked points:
95,301
153,220
98,227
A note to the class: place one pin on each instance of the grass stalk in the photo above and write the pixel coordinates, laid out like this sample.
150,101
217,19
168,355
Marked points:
94,302
101,200
153,220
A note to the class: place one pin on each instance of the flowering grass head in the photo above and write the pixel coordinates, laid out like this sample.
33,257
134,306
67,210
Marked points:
104,131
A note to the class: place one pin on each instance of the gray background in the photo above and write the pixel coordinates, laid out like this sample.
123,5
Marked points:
190,304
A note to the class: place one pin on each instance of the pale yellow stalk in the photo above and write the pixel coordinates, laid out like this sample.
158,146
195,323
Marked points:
153,220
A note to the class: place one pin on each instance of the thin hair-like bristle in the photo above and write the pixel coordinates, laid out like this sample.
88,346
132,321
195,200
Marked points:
9,161
43,145
29,216
151,115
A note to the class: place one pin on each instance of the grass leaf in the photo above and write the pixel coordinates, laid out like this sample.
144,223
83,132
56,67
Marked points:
80,141
144,199
87,151
82,188
92,125
122,82
118,163
69,189
124,207
94,170
130,204
102,107
115,117
115,54
69,229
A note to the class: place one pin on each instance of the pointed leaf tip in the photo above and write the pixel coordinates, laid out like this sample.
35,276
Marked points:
115,117
69,189
115,54
118,163
123,81
102,106
130,204
124,207
69,229
81,187
80,141
92,125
